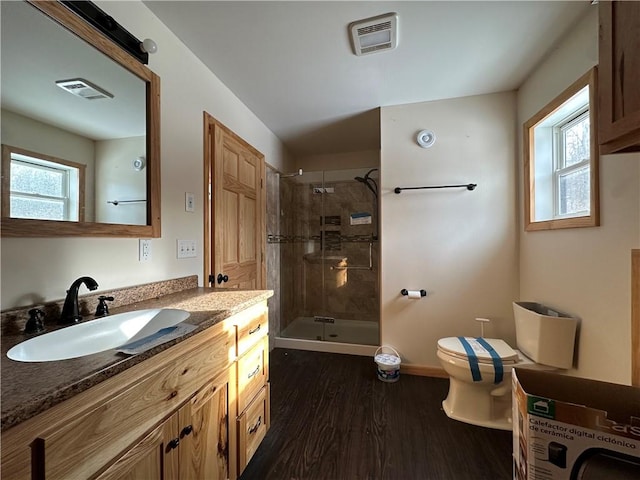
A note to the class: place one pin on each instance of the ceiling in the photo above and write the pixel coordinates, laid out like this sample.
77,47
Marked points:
292,64
31,67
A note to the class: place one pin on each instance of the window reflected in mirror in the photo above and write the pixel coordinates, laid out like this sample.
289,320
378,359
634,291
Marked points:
561,160
42,187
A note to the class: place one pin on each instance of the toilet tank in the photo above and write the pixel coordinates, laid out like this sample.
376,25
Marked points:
545,335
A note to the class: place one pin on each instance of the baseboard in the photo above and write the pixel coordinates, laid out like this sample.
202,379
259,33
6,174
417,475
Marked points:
423,371
363,350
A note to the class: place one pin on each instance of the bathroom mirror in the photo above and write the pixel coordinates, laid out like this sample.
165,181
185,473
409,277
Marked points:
80,129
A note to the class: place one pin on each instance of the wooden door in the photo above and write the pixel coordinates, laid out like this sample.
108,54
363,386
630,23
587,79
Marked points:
235,175
204,441
153,458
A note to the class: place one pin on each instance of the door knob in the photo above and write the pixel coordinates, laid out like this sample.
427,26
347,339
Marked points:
222,278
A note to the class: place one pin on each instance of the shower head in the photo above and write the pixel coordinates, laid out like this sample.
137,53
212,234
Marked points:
368,181
366,176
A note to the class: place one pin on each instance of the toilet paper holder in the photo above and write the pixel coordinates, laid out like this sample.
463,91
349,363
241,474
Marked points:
405,292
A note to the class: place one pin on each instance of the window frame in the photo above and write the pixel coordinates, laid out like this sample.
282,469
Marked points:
7,152
592,219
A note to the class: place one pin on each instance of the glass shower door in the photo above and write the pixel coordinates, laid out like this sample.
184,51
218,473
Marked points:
350,246
330,257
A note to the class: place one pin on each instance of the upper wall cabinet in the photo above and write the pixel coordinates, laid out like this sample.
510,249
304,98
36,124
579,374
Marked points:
619,73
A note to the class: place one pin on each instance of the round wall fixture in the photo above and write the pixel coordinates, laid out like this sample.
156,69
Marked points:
149,46
139,163
426,138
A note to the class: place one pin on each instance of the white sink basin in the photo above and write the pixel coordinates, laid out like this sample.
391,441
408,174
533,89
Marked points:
96,335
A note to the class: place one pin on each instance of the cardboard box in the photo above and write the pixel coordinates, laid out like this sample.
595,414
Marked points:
573,428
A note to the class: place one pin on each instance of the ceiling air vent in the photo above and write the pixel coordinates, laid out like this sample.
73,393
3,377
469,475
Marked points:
83,88
374,34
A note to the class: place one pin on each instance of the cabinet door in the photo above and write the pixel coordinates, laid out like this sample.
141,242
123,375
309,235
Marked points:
619,71
203,431
154,458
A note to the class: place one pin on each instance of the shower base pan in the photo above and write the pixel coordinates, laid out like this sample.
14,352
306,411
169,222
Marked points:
355,337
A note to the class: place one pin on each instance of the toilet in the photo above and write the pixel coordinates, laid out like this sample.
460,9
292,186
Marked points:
480,368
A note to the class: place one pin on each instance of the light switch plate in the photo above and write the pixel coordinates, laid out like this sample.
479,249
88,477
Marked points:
189,202
186,249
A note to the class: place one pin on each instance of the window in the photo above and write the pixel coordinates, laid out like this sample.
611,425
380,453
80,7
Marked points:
561,161
571,168
41,187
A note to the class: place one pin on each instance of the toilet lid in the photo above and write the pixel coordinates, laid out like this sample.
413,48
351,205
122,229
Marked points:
453,346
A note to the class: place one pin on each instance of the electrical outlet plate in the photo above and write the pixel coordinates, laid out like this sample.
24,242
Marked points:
144,250
186,248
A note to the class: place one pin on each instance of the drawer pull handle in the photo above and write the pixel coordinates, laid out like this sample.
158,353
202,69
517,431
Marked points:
186,431
254,373
254,429
251,332
173,444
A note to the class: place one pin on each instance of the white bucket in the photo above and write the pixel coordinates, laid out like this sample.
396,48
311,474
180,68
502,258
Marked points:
388,364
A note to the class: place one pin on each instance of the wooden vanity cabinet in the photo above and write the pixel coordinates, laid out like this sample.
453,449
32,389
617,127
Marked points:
173,416
80,441
191,444
619,76
252,384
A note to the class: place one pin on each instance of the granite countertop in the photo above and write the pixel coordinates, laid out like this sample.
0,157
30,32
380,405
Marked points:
31,388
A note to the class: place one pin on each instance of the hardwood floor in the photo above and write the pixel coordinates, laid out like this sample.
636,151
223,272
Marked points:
331,418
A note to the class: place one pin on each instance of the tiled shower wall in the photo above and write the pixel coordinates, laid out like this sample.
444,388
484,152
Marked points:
312,218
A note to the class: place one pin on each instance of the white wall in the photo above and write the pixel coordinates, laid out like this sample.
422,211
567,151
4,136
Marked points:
118,180
42,269
586,271
459,245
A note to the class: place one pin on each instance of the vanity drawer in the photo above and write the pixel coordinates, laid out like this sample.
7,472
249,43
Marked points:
252,427
252,326
253,372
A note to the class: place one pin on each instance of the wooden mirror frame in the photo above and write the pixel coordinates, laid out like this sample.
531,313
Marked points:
20,227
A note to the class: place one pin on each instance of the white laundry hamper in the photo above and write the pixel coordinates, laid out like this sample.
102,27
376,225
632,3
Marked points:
388,364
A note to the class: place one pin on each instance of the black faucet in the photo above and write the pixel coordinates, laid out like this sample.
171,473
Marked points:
70,311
